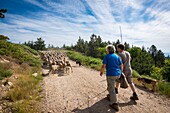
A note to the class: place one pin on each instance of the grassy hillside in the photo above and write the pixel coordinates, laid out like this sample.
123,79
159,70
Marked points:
20,53
23,61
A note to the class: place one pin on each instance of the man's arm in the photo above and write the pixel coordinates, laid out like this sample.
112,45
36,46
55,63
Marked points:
121,67
102,69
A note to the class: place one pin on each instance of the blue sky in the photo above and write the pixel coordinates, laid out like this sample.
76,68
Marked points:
58,22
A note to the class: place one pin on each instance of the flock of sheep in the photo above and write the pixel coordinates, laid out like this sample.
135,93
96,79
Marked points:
56,61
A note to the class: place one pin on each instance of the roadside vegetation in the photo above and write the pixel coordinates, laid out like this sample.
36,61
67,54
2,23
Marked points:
88,61
20,63
5,70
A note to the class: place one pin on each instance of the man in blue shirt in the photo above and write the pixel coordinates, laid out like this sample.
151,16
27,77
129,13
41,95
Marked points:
114,68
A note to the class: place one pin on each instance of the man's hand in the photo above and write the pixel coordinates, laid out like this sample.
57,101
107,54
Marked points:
101,73
102,69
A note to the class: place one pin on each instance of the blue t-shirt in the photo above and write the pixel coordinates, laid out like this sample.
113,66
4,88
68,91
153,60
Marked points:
113,63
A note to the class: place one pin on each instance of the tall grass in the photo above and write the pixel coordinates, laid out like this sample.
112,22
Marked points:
26,94
164,88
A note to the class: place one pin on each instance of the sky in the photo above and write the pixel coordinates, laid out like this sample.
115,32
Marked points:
58,22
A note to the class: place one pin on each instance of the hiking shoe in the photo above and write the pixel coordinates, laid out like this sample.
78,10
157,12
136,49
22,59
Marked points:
114,106
116,90
134,97
108,97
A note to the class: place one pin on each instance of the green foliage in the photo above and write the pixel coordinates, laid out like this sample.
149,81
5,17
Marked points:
2,37
28,49
141,60
5,73
102,51
85,60
37,45
20,53
135,74
157,55
5,70
164,88
156,73
166,70
94,47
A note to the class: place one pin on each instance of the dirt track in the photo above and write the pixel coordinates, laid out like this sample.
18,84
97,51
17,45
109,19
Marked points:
84,91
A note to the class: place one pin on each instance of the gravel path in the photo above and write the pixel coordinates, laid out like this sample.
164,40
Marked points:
84,91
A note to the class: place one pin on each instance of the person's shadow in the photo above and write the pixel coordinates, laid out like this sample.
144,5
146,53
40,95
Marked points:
102,106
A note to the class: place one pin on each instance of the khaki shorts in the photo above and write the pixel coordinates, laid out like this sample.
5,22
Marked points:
128,74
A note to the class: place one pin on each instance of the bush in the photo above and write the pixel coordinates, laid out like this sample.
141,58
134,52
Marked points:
164,88
5,73
21,53
30,50
5,70
135,74
94,63
156,73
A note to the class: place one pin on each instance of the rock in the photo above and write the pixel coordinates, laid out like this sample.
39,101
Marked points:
10,84
0,108
15,77
3,85
5,82
35,74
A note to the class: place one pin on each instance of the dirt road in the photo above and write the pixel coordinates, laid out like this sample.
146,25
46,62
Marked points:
84,91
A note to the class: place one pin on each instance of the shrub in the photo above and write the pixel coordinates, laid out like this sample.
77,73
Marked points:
30,50
135,74
21,53
5,73
156,73
5,70
94,63
164,88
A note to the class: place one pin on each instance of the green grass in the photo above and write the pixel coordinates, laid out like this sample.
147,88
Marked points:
5,70
28,49
135,74
91,62
164,88
25,96
21,53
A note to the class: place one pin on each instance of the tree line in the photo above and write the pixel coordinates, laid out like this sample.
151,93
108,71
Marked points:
39,44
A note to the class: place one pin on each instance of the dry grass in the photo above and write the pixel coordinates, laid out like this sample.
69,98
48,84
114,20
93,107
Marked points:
26,94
